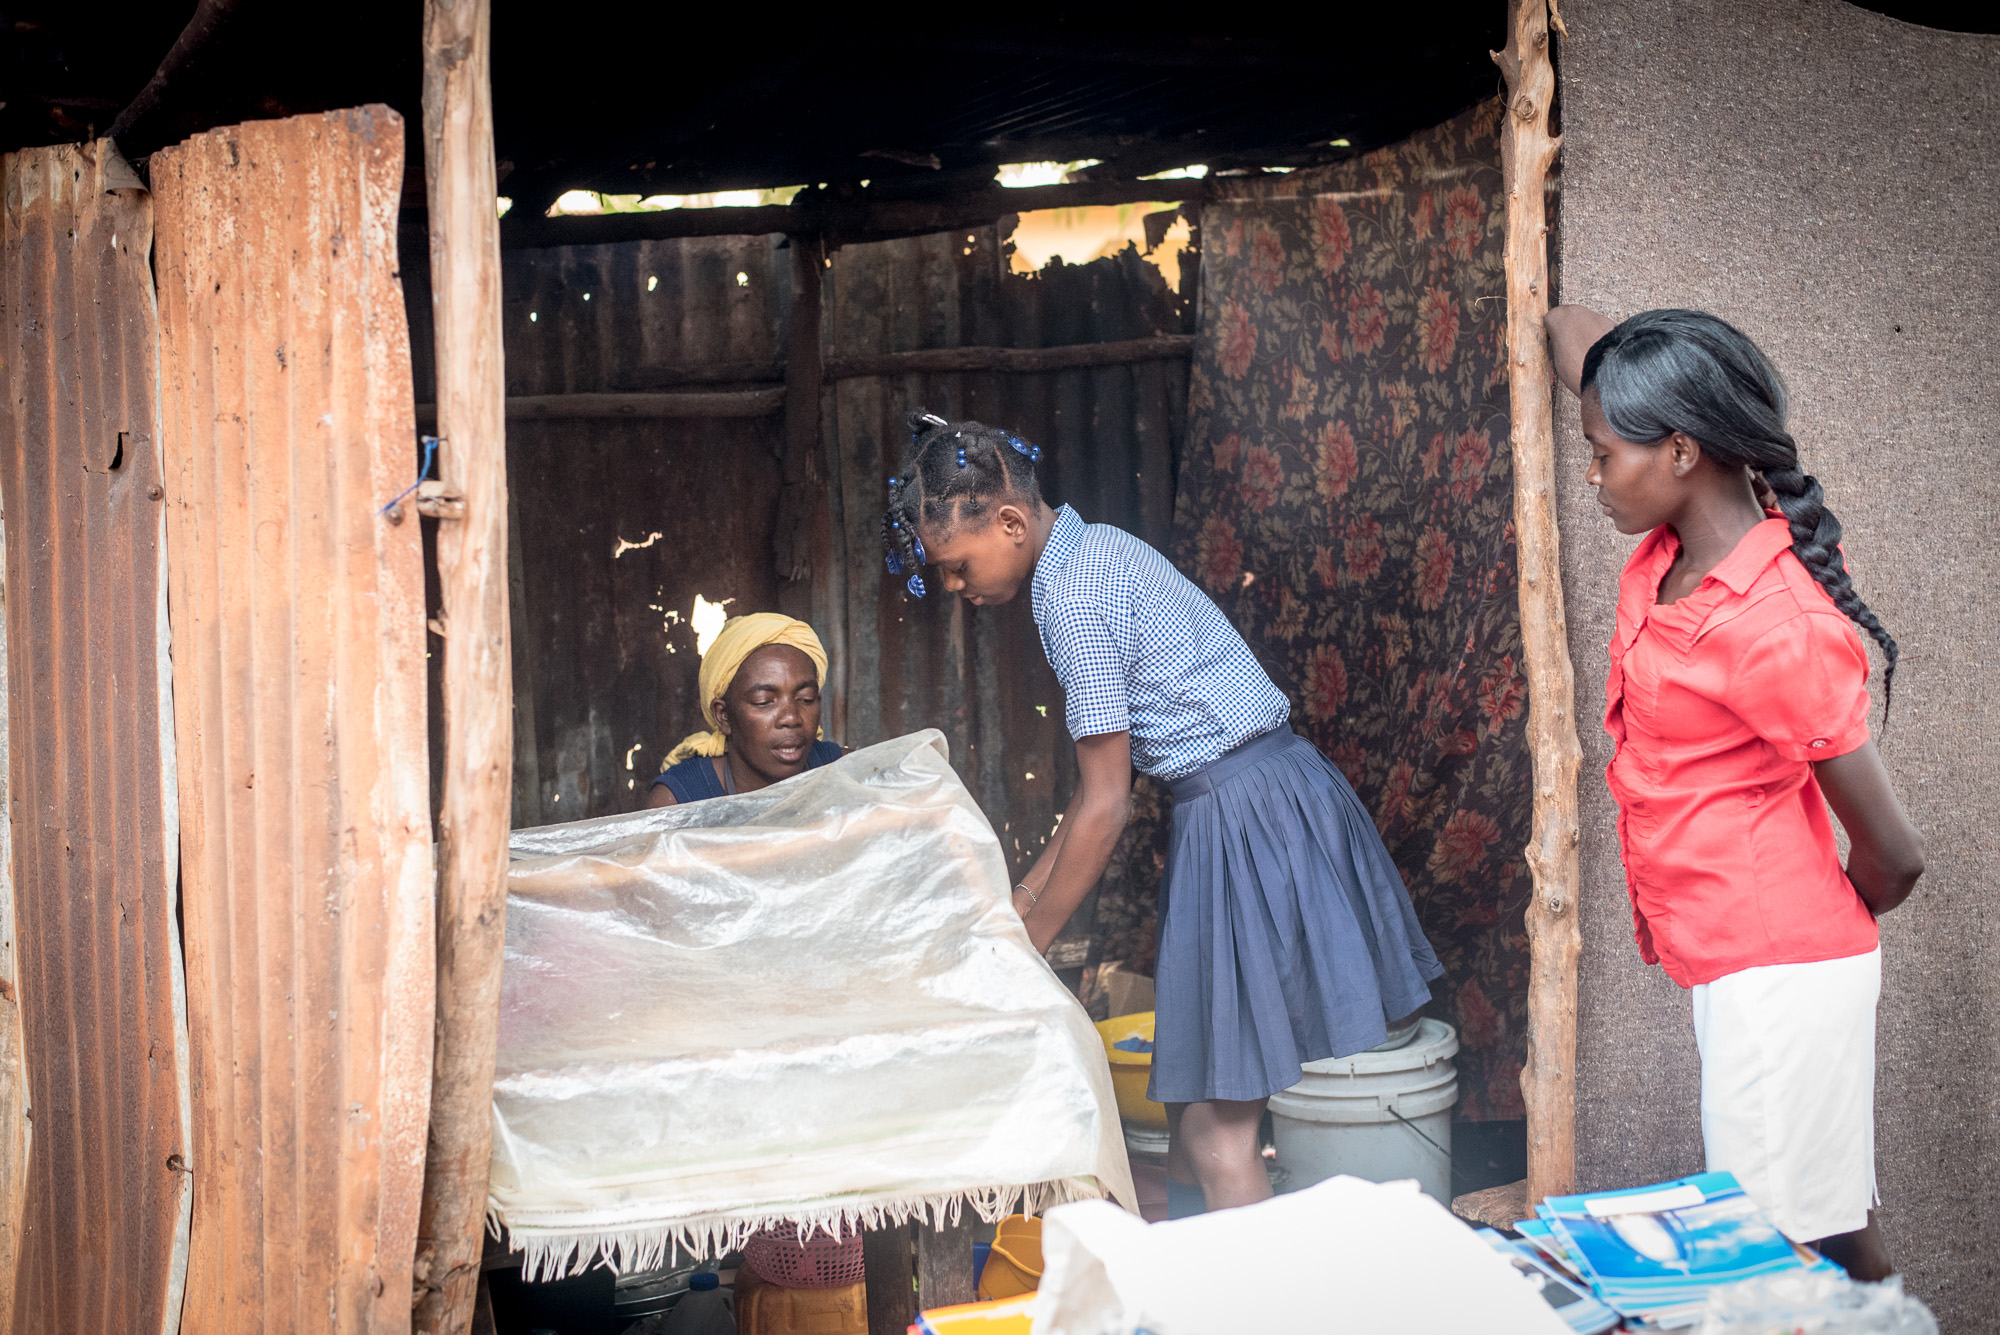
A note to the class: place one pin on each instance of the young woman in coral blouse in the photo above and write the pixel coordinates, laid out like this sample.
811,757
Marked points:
1739,706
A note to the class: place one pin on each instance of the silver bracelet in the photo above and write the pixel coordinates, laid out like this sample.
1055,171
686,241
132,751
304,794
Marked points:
1033,898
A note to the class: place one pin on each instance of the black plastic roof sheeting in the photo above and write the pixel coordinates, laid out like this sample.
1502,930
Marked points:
631,99
648,100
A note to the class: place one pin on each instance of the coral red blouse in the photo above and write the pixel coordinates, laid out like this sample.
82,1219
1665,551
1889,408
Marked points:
1719,703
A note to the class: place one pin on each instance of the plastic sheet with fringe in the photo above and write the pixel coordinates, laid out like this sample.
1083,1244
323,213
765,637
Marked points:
810,1004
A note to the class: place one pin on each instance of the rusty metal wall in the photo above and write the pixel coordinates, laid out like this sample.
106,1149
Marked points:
617,525
90,775
287,422
1111,436
13,1063
604,659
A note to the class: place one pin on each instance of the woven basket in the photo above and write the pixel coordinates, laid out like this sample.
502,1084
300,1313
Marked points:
821,1262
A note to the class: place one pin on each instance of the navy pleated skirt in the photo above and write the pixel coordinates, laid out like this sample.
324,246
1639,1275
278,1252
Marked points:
1286,935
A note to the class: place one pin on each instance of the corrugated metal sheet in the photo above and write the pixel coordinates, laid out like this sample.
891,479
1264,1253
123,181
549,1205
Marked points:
605,662
13,1062
287,421
91,796
1112,437
618,525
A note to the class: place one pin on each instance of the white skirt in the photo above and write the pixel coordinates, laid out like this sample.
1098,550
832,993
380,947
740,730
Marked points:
1788,1089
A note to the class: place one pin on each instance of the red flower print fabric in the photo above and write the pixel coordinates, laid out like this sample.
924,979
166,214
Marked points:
1346,496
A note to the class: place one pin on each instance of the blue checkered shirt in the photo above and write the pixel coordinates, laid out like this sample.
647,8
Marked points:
1138,648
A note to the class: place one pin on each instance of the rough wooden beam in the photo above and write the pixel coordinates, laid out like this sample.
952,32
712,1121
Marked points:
913,1268
889,1257
210,18
801,501
846,219
1527,151
1160,347
597,229
944,1264
478,677
1495,1207
665,404
693,403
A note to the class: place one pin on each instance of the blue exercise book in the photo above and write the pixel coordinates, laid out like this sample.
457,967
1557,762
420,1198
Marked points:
1675,1238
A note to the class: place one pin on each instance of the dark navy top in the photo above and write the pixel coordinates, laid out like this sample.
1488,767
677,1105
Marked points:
694,778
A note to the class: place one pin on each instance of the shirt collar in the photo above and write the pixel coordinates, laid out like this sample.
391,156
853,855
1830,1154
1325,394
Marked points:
1756,550
1062,544
1747,560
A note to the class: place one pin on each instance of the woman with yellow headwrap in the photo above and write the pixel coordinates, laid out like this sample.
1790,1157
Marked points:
760,684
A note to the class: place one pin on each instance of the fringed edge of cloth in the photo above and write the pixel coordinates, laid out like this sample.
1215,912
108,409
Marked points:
552,1252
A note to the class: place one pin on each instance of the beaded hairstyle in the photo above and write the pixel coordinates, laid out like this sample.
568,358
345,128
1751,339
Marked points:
952,473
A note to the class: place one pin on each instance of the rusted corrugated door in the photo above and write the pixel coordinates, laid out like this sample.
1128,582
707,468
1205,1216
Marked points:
298,617
91,800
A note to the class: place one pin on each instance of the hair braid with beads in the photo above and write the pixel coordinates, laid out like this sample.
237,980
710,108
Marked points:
1677,370
952,473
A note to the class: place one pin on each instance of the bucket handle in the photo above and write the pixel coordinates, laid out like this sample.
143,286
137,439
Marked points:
1420,1131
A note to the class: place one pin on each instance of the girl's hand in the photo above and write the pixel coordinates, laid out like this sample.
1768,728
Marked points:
1885,853
1766,498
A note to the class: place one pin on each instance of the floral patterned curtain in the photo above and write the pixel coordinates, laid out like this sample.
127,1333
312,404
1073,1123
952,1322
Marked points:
1346,495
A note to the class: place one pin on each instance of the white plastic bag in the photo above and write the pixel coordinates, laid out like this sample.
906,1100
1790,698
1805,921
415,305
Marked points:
1344,1255
813,1003
1815,1302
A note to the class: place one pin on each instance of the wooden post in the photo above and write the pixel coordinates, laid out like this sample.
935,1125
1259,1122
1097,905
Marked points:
944,1264
802,500
889,1256
478,684
915,1267
1527,151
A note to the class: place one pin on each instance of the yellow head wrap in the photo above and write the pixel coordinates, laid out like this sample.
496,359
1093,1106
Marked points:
739,638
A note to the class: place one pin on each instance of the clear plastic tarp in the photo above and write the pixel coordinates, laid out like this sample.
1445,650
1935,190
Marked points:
810,1003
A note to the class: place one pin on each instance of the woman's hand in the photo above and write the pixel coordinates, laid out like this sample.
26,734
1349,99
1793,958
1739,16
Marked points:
1572,331
1885,853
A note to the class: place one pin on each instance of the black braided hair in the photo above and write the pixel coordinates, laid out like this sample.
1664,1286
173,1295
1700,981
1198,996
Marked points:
1676,370
952,473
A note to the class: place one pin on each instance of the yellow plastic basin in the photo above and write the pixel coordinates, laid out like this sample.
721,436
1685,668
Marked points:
1014,1266
1131,1070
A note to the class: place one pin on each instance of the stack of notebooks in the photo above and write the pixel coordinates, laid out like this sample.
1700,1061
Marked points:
1653,1254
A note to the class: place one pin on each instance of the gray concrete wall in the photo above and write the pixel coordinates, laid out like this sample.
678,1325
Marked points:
1829,180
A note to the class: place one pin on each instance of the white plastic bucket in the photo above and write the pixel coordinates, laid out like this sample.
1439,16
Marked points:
1383,1115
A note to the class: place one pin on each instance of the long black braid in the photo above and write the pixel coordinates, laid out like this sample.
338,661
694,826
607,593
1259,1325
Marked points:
952,472
1676,370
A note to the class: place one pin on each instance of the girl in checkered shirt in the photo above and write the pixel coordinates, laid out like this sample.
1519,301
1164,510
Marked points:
1286,935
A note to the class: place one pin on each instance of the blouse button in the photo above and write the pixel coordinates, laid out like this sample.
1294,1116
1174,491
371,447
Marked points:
1819,742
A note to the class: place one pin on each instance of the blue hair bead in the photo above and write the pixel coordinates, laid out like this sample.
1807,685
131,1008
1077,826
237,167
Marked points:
922,560
916,585
961,456
894,562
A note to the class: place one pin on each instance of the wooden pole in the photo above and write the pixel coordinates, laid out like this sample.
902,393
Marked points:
1527,151
478,683
836,219
802,499
1062,357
